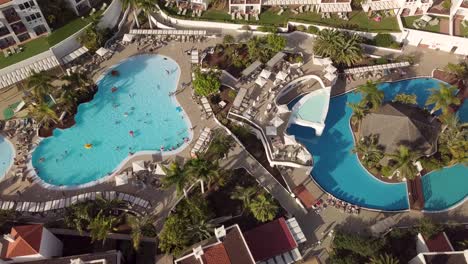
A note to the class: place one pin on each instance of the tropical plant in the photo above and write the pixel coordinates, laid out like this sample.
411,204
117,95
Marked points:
78,80
325,42
101,225
406,98
446,4
454,138
244,194
221,145
107,206
342,48
371,94
263,208
207,83
138,224
132,4
362,246
68,98
174,237
43,114
275,43
228,39
359,112
6,215
458,69
78,216
369,150
201,230
443,98
428,228
204,170
384,259
175,176
92,38
403,162
40,84
147,6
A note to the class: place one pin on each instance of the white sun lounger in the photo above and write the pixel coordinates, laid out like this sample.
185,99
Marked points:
74,199
19,206
112,195
48,205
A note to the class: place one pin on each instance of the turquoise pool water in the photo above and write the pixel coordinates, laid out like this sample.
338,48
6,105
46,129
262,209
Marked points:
463,112
340,173
313,109
6,155
139,115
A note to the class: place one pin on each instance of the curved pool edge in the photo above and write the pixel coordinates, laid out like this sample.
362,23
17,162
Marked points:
13,156
137,154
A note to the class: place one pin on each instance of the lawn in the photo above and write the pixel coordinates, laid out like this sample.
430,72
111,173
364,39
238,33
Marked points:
42,44
216,15
408,23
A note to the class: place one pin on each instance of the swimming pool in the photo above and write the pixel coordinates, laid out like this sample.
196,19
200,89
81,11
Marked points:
6,155
339,172
139,115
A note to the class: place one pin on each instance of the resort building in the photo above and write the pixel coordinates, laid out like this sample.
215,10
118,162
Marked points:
402,7
274,242
79,6
20,21
108,257
437,250
28,243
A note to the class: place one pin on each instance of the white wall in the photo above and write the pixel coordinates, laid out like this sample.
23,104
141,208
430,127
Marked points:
27,258
67,46
51,246
436,41
421,246
110,18
26,62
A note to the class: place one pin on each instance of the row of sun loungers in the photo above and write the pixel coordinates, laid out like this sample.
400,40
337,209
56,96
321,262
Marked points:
202,142
206,107
188,32
38,207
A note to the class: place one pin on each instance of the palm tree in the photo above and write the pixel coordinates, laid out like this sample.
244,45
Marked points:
133,4
147,6
406,98
221,144
78,80
78,216
371,94
100,226
404,160
349,50
326,41
384,259
204,170
442,98
68,98
40,83
369,150
107,206
200,230
460,69
176,176
137,224
359,112
263,208
244,194
43,114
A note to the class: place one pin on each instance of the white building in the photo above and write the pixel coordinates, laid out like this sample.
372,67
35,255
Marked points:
79,6
403,7
20,20
29,243
437,249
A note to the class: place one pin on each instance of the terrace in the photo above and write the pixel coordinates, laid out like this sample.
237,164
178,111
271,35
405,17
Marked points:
435,24
460,26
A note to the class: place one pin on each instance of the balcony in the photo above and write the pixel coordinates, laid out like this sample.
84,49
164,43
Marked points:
19,28
10,15
464,4
4,31
237,2
252,2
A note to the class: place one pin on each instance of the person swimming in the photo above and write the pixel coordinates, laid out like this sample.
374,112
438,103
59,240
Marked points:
126,114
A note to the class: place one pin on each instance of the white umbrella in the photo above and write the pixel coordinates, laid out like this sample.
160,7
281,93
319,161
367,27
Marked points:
121,179
159,170
271,131
303,155
330,68
281,75
265,74
138,165
102,51
289,140
283,109
128,37
260,81
276,121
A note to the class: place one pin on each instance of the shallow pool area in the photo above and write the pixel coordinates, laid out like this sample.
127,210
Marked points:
130,113
6,155
338,171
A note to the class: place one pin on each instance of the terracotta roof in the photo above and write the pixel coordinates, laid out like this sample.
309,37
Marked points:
27,241
438,243
305,196
216,255
4,1
270,240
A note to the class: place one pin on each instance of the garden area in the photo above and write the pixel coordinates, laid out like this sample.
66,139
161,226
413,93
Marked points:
440,27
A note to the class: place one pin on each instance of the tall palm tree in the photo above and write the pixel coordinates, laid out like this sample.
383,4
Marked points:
137,224
325,44
101,225
147,6
176,176
384,259
458,69
371,94
454,137
40,83
204,170
244,194
43,114
108,205
263,208
359,112
221,144
68,98
442,98
349,50
369,150
78,80
404,160
200,230
133,4
78,216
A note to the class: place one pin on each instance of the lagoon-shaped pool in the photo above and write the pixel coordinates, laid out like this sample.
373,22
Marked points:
339,172
139,115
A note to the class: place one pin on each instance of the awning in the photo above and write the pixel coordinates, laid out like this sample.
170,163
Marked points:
121,179
330,68
289,140
128,37
304,156
281,76
251,68
271,131
159,170
75,54
383,5
102,51
260,81
239,97
276,121
265,74
387,66
138,165
277,58
335,7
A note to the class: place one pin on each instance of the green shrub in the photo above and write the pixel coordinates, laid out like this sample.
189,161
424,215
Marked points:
301,28
386,171
383,40
313,29
298,59
381,60
232,94
228,39
431,164
447,4
271,29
